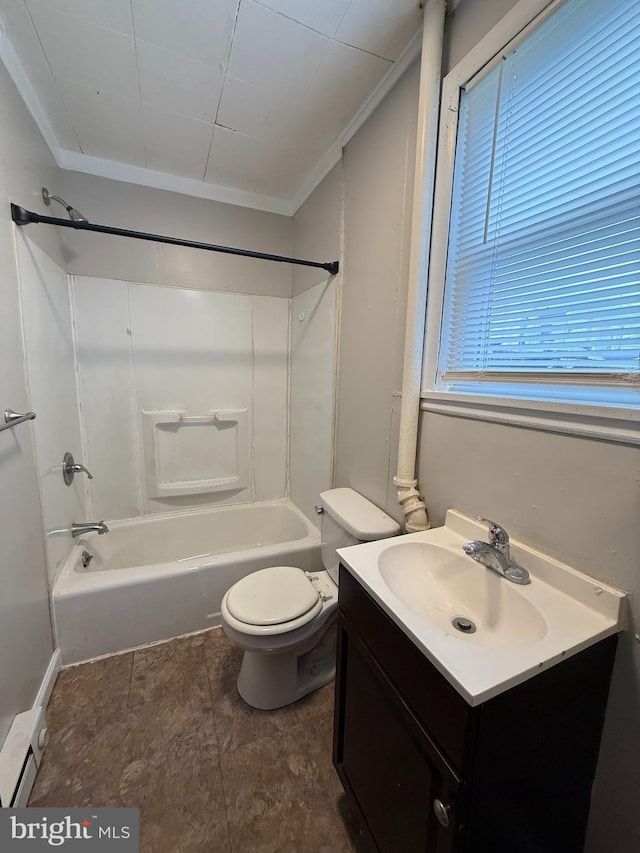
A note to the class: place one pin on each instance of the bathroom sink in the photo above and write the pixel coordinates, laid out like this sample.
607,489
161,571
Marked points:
460,596
482,632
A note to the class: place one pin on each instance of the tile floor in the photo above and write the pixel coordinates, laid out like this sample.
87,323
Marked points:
163,729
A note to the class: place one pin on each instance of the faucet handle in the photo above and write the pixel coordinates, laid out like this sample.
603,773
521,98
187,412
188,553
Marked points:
498,536
70,468
77,468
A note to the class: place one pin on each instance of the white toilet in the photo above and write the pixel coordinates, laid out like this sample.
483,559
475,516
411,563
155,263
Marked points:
285,619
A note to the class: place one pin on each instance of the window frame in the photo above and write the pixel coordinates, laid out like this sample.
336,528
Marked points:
615,423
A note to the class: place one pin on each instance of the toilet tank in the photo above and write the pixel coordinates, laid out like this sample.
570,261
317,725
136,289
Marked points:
350,519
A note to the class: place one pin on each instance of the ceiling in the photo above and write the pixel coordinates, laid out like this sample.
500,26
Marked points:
247,101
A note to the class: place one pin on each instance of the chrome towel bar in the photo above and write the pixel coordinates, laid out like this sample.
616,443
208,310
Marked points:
12,418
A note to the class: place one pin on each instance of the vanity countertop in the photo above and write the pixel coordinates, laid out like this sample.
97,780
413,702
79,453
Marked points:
423,581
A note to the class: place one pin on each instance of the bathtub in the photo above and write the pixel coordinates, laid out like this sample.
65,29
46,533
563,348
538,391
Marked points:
160,576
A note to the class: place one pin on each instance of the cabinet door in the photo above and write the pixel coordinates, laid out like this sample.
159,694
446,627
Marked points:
386,761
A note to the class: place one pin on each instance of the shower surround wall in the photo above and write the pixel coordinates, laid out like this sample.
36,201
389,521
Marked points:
111,363
50,370
313,233
313,344
145,350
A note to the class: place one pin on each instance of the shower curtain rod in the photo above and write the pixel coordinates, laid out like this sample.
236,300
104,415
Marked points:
25,217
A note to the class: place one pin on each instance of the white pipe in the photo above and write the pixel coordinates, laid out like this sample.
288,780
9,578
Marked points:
409,497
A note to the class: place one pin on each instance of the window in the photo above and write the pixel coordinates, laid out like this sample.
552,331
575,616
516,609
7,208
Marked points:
537,294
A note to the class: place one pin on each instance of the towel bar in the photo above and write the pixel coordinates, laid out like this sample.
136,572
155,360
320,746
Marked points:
12,418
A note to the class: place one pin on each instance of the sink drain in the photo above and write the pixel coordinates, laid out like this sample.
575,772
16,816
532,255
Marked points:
461,623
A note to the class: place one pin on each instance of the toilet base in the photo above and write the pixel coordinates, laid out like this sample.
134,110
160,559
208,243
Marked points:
270,680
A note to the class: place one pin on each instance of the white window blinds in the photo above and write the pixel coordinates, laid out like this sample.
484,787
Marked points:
543,267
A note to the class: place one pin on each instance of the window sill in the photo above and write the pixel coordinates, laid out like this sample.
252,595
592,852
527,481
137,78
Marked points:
599,422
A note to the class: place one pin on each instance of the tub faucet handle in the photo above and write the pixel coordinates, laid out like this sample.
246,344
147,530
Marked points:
70,468
77,468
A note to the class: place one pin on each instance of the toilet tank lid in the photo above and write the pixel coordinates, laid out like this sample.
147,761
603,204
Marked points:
357,515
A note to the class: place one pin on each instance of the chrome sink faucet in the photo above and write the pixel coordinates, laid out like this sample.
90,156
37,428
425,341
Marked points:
77,529
496,554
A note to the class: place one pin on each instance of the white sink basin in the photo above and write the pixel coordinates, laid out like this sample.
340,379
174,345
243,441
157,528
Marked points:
442,586
424,581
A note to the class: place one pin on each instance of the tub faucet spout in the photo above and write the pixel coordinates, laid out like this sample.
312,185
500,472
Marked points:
80,527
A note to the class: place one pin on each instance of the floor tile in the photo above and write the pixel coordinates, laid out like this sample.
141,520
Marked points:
82,759
320,748
160,735
316,709
91,691
86,726
62,797
182,810
275,798
296,828
224,657
238,723
314,729
164,729
169,671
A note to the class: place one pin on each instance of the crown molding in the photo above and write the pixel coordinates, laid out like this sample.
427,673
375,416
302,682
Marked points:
14,66
74,162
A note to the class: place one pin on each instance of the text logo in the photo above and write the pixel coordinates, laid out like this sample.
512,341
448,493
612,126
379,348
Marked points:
31,829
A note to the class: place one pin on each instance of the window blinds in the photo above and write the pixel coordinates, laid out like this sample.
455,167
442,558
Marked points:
543,268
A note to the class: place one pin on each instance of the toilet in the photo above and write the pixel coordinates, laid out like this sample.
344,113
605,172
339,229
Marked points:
285,618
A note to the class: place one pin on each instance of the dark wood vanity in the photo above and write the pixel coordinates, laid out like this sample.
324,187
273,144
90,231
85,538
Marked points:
427,773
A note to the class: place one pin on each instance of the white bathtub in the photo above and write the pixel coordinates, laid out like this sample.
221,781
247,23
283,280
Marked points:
160,576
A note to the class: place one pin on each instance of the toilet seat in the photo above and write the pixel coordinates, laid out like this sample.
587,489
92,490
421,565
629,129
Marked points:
280,598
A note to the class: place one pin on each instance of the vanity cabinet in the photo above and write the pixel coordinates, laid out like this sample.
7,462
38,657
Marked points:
428,773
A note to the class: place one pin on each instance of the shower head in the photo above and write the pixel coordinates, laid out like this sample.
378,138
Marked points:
74,215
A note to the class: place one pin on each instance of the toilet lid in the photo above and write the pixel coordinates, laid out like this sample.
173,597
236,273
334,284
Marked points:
271,596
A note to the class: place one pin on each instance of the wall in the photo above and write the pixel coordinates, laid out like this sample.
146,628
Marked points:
209,350
378,187
576,498
25,631
313,349
144,348
317,235
317,230
51,378
154,211
111,333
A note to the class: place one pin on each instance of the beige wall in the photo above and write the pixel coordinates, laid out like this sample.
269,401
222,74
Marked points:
470,21
161,212
25,631
378,186
317,234
576,498
317,230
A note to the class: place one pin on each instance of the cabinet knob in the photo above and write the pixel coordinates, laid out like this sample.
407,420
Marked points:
442,812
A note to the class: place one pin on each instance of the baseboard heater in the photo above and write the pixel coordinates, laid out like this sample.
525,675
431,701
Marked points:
20,757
